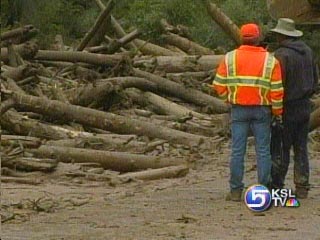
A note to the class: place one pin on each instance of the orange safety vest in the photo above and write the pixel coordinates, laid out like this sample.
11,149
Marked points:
250,75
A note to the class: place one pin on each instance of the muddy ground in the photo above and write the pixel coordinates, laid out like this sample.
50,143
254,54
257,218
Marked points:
192,207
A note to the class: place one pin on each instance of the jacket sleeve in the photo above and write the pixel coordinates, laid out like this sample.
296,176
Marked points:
220,81
276,90
315,77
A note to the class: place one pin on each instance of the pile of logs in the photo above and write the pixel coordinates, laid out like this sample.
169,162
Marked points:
116,102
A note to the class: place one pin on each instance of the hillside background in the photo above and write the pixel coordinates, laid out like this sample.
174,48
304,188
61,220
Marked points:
72,18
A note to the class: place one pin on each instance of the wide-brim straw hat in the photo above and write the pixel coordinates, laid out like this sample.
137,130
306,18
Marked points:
286,26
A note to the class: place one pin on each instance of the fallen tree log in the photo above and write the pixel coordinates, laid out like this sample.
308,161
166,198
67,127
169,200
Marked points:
152,49
223,21
180,30
162,105
117,161
30,164
186,45
19,73
6,105
103,120
98,92
26,50
116,44
25,141
21,180
314,120
20,34
109,142
154,174
85,57
99,27
18,124
117,27
180,64
190,95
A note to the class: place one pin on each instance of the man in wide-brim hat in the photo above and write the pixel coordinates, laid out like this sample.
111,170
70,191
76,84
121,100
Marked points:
300,79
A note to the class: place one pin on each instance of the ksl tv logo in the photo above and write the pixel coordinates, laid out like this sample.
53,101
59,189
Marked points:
258,198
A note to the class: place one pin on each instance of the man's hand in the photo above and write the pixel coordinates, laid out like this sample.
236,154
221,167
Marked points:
277,119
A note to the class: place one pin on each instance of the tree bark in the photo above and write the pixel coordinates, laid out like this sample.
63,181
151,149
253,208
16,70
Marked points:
180,64
315,119
85,57
98,92
20,72
117,161
186,45
25,141
109,142
117,27
190,95
154,174
99,27
223,21
30,164
116,44
20,34
152,49
103,120
18,124
6,105
165,106
26,51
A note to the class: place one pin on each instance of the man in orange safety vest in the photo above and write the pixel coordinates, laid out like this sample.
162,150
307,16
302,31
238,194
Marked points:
249,78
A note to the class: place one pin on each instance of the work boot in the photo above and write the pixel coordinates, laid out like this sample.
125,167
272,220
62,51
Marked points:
234,196
301,193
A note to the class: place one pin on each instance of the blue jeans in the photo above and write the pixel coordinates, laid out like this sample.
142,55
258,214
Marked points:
258,119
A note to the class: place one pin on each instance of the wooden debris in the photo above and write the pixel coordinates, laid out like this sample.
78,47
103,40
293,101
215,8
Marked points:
117,161
223,21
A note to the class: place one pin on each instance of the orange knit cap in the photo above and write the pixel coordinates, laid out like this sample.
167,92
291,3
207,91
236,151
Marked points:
250,30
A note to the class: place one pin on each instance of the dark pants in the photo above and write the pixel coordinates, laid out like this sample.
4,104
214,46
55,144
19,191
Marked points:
295,134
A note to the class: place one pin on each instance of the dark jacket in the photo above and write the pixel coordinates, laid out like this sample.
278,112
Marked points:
300,76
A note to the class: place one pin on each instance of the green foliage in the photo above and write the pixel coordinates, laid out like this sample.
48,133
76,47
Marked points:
73,18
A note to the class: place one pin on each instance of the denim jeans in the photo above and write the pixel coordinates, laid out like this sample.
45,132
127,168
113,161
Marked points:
258,119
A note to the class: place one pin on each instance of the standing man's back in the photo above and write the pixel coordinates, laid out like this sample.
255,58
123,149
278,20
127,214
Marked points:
300,79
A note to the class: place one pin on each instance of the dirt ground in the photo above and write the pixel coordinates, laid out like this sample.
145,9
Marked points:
192,207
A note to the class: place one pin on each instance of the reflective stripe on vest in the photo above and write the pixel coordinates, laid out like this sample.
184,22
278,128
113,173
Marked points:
263,81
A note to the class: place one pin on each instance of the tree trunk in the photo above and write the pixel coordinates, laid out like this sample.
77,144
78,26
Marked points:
180,64
25,141
223,21
19,73
115,45
315,119
117,27
99,28
98,93
19,35
6,105
85,57
108,142
30,164
154,174
26,50
152,49
177,90
103,120
165,106
117,161
18,124
186,45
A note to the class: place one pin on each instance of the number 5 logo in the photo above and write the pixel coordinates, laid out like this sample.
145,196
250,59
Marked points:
257,198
